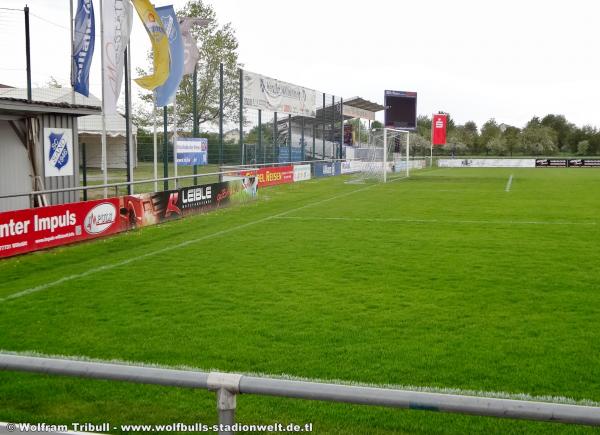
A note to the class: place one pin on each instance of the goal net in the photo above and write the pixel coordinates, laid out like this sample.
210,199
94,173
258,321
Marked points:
384,157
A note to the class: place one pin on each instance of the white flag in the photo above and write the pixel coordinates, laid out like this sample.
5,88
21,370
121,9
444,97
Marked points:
191,53
116,21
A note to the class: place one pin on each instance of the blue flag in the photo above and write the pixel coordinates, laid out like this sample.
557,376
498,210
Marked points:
165,94
83,47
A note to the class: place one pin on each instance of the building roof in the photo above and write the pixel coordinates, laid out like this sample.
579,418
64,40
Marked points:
64,99
14,103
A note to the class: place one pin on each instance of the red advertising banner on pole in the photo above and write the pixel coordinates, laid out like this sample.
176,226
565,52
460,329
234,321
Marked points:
438,129
38,228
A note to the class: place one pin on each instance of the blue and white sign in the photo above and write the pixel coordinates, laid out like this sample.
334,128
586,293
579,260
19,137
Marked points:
58,152
192,151
83,47
165,93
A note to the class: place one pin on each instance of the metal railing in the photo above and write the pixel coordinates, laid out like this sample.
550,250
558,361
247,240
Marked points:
227,386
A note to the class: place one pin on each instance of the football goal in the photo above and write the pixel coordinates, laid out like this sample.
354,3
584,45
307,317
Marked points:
384,157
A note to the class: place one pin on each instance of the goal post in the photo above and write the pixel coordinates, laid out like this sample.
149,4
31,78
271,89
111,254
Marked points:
385,156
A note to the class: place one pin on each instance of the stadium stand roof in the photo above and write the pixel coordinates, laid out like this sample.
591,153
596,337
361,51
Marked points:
361,103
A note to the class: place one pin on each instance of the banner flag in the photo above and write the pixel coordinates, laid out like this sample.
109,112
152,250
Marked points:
165,93
116,22
83,47
160,45
191,55
438,129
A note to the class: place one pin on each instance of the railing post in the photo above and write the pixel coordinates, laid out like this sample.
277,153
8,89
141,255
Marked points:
226,403
226,385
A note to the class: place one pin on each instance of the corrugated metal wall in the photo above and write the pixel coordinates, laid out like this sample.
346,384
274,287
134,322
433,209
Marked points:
15,169
59,121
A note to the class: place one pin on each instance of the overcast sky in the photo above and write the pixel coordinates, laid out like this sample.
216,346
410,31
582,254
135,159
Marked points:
509,60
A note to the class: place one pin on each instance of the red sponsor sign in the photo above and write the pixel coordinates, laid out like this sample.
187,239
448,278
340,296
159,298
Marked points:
272,175
32,229
438,129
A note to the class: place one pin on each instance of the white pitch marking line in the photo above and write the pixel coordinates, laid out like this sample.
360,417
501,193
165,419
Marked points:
430,221
508,183
170,248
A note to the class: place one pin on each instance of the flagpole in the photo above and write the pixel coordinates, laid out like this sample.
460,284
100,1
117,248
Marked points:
128,132
132,144
103,162
72,49
155,148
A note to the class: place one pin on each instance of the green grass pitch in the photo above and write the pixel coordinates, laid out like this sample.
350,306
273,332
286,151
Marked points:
442,280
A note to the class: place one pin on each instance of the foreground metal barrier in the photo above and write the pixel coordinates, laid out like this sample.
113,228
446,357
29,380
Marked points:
227,386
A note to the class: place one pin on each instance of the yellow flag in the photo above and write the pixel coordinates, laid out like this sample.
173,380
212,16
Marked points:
160,45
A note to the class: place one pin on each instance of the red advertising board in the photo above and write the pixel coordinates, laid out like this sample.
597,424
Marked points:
273,175
32,229
438,129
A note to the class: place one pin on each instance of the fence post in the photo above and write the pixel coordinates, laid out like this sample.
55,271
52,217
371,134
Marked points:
290,138
314,134
195,114
220,114
226,404
242,156
226,386
302,139
323,155
342,128
165,150
333,153
275,132
84,170
259,136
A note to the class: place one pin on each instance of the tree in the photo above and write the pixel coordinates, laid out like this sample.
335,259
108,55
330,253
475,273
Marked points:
489,131
424,126
471,135
512,136
419,145
497,146
217,44
538,140
564,131
583,147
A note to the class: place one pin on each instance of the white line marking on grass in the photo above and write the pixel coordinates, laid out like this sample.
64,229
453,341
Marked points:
430,221
170,248
508,183
427,389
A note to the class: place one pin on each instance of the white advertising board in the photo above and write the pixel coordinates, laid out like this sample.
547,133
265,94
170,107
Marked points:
486,163
301,173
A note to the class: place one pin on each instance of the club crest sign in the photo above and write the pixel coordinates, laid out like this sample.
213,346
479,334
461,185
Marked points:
58,152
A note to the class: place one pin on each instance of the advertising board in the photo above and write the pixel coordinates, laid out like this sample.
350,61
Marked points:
39,228
486,163
301,173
